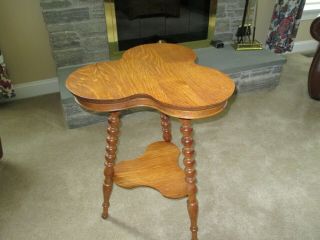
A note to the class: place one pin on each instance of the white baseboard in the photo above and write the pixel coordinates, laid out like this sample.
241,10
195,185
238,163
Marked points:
305,46
36,88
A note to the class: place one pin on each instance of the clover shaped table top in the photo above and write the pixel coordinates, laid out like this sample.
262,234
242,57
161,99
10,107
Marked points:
161,76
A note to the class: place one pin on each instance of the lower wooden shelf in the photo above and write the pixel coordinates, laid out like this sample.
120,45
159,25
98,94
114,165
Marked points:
157,168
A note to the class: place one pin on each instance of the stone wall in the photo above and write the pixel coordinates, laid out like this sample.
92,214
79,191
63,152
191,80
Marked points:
229,17
77,28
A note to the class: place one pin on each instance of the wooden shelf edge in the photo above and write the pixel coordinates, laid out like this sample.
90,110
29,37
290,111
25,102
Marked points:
157,168
101,106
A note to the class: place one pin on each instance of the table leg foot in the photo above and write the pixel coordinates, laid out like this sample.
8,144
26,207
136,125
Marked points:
166,127
190,172
110,156
107,189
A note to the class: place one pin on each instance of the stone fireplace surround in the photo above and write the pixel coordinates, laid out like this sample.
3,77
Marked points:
77,28
77,33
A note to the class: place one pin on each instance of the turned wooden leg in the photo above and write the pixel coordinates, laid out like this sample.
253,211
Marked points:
110,156
166,127
190,172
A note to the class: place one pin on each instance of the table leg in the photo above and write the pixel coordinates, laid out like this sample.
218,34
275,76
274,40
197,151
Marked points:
190,172
110,156
166,127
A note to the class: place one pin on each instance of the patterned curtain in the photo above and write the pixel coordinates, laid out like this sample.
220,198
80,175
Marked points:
284,25
6,89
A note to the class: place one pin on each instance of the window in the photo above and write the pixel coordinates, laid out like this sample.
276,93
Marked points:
312,5
311,9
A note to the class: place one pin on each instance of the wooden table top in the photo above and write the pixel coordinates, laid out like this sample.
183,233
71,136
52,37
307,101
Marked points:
161,76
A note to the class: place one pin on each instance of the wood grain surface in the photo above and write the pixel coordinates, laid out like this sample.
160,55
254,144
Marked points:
157,168
161,76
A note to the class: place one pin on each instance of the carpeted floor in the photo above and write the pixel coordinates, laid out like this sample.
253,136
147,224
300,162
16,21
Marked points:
258,171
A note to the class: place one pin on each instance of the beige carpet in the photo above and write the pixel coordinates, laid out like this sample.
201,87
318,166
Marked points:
258,172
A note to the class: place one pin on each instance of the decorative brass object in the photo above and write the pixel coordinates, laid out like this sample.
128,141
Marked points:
246,31
112,31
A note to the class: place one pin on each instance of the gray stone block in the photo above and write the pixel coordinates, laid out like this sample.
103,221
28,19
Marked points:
255,79
95,43
90,1
239,2
96,56
235,24
83,28
235,75
91,28
50,4
60,27
66,16
76,116
97,10
69,57
223,36
245,75
260,72
233,5
277,69
223,25
67,39
234,13
96,7
257,84
221,11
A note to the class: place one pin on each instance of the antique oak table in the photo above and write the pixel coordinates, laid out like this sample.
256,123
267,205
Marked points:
163,77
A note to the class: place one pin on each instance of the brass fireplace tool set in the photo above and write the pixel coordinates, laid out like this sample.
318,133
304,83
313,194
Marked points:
246,31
